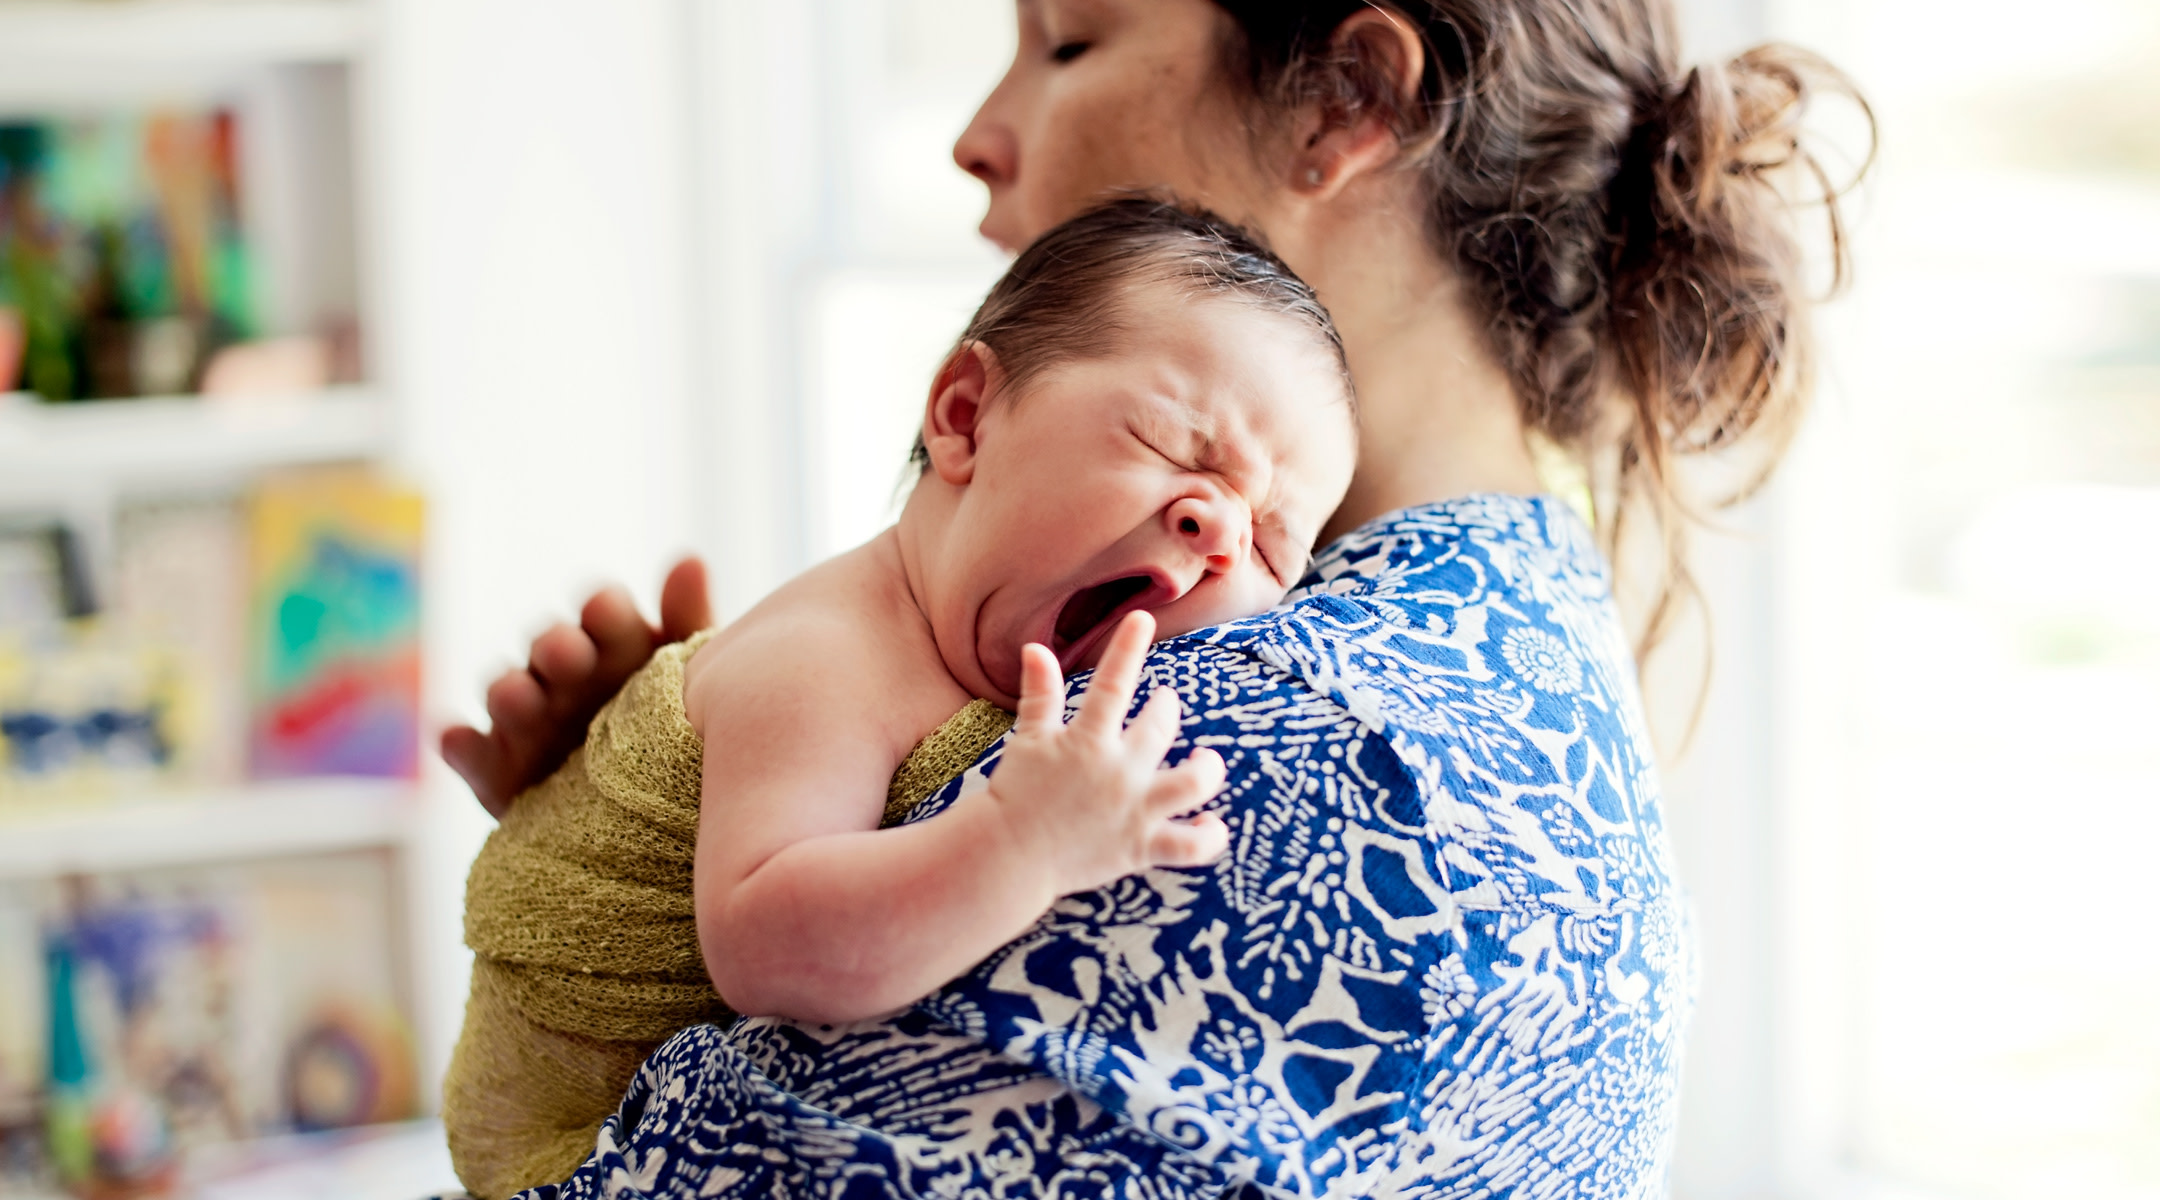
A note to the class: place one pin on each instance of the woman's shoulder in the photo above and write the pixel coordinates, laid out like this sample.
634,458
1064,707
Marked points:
1444,833
1478,641
1468,552
1424,586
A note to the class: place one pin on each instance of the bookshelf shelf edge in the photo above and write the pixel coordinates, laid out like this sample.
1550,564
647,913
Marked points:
182,32
133,443
248,821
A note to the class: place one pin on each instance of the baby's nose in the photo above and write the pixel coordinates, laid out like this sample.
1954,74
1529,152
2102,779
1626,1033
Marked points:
1210,529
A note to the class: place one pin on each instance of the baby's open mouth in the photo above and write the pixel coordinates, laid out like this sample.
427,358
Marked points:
1090,609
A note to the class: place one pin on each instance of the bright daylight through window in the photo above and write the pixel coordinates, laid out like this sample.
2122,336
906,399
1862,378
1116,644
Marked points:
2001,363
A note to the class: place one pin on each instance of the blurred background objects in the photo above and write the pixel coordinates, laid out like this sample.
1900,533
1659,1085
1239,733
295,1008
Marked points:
210,637
340,337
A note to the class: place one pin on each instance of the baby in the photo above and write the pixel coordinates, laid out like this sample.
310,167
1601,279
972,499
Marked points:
1139,434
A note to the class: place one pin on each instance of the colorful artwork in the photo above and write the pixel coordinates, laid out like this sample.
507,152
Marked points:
335,637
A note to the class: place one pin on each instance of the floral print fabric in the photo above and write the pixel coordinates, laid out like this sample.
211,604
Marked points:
1444,957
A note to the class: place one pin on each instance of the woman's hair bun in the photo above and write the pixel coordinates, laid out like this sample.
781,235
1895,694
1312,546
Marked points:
1707,300
1627,227
1706,278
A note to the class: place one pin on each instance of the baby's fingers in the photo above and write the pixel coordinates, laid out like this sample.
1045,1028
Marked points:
1042,691
1193,843
1186,786
1110,693
1154,727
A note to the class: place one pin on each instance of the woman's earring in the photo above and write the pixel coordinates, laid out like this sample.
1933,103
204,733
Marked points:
1313,176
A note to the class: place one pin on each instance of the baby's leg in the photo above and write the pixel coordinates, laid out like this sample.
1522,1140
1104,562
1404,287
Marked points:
522,1103
579,913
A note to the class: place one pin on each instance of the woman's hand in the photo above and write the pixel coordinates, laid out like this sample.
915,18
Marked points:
1089,800
539,713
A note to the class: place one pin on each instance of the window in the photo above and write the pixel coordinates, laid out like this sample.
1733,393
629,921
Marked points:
1939,937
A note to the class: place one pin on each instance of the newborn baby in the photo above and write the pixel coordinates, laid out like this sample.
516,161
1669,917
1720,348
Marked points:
1139,434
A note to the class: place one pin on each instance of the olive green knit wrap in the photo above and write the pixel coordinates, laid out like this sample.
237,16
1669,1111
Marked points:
585,949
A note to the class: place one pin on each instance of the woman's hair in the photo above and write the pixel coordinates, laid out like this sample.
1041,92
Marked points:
1621,221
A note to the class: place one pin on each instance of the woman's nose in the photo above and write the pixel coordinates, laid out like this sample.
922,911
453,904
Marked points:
1210,528
987,148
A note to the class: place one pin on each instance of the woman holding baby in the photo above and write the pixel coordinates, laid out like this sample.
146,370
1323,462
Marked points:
1444,954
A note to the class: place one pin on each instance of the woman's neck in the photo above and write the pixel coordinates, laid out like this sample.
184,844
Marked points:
1438,416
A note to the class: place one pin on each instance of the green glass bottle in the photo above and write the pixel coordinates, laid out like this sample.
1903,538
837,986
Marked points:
68,1075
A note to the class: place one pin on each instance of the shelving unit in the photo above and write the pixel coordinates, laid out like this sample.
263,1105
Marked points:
138,830
181,441
183,32
295,75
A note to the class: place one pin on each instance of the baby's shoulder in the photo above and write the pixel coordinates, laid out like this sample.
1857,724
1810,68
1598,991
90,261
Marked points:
794,640
822,655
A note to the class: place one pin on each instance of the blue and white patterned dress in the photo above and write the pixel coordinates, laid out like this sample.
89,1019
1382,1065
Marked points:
1445,956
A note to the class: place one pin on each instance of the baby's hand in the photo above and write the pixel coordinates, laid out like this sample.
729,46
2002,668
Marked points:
1089,799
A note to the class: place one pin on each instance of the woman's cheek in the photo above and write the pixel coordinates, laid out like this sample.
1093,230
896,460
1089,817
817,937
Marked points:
1089,149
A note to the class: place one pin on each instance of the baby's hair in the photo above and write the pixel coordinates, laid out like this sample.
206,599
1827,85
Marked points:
1063,299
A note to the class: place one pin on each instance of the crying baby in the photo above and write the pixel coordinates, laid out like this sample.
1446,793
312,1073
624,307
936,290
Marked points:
1139,435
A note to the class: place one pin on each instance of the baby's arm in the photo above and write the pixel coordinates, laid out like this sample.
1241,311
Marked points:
804,908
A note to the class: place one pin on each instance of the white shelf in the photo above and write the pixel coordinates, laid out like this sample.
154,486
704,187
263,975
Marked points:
94,33
261,820
382,1162
49,448
378,1162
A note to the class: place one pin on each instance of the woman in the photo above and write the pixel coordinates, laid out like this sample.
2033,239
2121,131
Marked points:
1446,955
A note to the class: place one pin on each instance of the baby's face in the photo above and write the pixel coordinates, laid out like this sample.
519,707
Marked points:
1187,474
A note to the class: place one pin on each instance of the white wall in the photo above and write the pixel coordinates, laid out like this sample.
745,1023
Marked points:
620,254
531,283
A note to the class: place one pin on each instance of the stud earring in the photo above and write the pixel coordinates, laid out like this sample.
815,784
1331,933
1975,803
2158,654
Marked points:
1312,176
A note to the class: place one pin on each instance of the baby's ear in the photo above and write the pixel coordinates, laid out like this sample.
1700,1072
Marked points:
958,398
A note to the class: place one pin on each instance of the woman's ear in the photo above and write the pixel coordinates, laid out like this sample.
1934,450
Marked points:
1353,131
953,420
